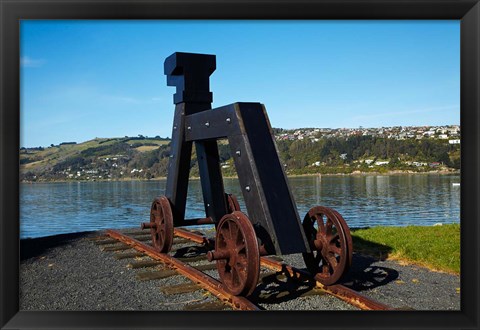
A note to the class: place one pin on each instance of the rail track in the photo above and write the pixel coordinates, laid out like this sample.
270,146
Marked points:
201,280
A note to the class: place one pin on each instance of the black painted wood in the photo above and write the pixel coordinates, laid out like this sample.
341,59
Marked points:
178,167
211,179
270,204
212,124
190,73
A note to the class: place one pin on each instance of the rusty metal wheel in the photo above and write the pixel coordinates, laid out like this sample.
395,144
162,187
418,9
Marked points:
237,255
349,237
161,224
232,203
331,244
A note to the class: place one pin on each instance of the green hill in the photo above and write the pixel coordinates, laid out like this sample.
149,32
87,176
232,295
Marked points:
147,158
97,159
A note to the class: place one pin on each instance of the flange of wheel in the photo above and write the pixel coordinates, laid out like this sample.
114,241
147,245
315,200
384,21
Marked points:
349,237
161,224
236,253
232,203
330,242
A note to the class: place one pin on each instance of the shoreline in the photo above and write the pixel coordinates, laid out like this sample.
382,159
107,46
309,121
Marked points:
354,173
99,231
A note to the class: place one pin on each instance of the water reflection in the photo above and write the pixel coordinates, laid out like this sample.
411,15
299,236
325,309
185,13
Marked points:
54,208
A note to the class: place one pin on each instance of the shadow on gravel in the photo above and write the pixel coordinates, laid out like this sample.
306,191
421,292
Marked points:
277,287
364,276
36,247
190,252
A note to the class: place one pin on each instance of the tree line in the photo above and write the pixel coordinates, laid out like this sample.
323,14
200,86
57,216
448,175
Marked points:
327,155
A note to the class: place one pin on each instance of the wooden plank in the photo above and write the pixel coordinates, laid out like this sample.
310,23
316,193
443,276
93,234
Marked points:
145,232
275,216
181,241
206,306
107,241
206,267
135,233
193,259
116,248
205,281
181,288
128,255
97,238
143,264
158,275
143,238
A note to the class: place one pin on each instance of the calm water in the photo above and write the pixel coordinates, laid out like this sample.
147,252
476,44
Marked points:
54,208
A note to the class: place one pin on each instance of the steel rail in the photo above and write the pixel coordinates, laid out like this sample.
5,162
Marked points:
348,295
205,281
200,239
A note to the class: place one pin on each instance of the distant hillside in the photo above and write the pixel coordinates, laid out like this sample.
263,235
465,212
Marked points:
302,151
97,159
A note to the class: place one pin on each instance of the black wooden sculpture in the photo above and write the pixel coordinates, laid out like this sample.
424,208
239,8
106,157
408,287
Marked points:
273,225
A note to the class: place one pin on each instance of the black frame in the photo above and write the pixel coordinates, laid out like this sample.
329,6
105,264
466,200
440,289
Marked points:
468,11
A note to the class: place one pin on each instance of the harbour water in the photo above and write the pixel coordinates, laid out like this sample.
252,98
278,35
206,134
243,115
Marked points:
364,201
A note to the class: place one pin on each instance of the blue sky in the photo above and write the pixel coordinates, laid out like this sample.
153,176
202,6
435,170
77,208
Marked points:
87,79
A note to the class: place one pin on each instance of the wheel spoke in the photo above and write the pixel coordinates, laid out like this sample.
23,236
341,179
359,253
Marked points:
233,229
241,247
332,261
335,249
328,229
242,274
333,238
236,276
222,240
239,237
228,276
241,260
321,226
325,269
236,232
228,236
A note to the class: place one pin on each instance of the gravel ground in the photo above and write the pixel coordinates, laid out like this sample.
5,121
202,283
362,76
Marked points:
70,272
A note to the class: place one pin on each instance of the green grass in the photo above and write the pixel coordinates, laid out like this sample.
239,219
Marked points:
157,142
55,154
436,247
